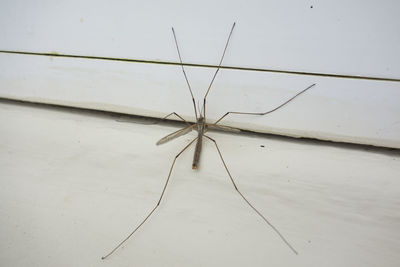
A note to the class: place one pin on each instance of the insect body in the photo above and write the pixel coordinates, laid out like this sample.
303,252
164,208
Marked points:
202,127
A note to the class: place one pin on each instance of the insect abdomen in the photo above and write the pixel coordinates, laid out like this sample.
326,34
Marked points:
196,157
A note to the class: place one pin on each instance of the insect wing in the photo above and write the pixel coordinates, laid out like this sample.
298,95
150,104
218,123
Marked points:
223,128
174,135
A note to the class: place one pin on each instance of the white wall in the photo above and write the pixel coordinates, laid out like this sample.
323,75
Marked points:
74,185
351,38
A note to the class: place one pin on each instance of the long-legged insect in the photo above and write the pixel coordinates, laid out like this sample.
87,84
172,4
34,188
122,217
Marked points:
202,127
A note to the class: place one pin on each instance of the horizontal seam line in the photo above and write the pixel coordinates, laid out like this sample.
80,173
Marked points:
332,75
117,113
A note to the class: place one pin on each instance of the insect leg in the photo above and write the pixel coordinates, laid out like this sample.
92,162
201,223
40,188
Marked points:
177,115
216,72
267,112
184,73
245,199
158,203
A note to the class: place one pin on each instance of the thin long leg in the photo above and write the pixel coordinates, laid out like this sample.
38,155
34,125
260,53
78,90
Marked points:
267,112
184,73
158,203
216,72
220,62
245,199
177,115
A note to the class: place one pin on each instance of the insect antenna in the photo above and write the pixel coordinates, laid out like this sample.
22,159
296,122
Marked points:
201,109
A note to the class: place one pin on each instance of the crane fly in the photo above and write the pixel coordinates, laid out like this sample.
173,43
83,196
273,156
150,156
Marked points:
201,126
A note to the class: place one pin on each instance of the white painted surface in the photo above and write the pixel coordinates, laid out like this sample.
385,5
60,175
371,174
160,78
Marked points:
356,38
74,185
353,111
